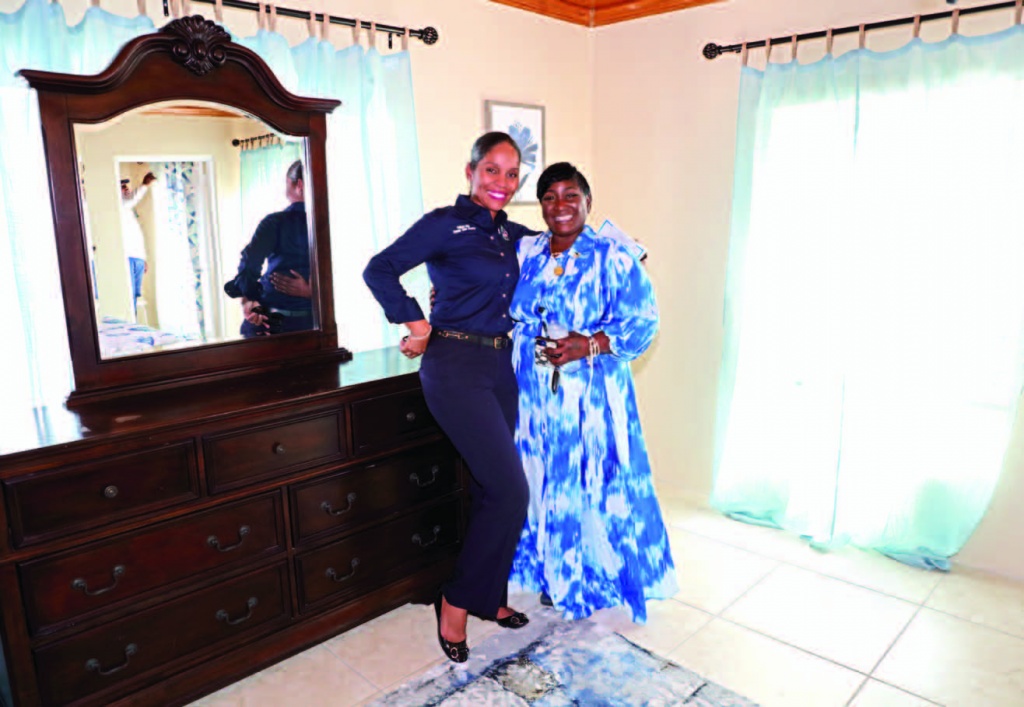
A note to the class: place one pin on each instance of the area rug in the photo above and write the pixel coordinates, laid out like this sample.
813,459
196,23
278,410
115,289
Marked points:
556,663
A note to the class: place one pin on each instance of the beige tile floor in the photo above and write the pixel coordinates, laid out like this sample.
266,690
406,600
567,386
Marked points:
757,611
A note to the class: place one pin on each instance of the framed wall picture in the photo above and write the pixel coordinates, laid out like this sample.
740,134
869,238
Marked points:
525,123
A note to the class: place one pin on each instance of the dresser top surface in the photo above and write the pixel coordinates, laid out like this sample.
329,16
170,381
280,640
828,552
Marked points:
28,430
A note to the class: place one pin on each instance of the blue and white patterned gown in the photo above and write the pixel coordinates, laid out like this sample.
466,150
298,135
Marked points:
594,536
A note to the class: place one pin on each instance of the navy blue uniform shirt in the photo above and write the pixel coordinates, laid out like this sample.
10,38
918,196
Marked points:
471,260
281,239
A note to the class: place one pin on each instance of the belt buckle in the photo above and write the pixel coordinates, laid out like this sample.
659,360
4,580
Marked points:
498,343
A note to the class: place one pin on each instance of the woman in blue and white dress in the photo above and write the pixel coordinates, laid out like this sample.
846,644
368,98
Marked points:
584,308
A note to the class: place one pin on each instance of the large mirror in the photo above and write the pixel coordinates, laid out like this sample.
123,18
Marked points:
197,228
189,193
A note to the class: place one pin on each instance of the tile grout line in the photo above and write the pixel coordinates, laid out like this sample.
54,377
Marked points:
808,569
857,692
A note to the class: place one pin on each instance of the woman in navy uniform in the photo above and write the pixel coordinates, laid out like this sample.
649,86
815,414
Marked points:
467,375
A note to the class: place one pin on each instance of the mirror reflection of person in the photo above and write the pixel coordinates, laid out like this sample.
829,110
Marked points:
131,232
278,298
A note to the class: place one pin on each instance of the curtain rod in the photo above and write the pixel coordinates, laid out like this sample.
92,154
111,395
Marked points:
712,50
246,141
429,35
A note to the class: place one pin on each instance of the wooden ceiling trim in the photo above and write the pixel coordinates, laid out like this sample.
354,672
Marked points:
575,12
594,13
613,12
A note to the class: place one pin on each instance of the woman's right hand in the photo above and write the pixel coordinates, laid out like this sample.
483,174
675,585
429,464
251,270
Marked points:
253,317
415,344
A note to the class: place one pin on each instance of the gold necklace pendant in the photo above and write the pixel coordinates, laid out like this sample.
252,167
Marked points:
559,270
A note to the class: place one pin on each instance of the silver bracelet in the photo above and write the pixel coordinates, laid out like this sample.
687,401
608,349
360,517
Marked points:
421,338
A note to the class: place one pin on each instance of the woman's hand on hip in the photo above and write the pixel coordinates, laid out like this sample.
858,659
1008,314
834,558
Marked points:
415,343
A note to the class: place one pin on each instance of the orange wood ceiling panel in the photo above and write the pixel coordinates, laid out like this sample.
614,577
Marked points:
594,13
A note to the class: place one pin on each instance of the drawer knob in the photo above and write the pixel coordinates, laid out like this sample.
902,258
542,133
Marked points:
83,586
223,615
415,478
214,542
335,577
111,491
418,539
326,506
279,448
93,666
410,417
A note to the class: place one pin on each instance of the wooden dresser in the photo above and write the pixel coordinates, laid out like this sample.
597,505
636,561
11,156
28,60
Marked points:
169,544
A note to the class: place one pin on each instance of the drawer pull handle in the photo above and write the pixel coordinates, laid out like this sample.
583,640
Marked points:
410,417
93,666
222,614
415,478
418,539
333,576
329,510
111,491
82,586
213,542
279,448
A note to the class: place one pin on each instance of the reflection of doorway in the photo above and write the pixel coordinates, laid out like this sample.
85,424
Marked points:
180,236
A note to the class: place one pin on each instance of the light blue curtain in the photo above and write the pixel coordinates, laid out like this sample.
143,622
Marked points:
874,303
373,173
262,182
178,265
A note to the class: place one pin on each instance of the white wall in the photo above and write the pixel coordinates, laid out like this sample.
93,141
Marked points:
664,139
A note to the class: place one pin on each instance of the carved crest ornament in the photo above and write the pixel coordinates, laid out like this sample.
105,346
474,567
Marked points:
198,43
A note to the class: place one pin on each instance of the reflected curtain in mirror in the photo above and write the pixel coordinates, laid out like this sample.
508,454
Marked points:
874,319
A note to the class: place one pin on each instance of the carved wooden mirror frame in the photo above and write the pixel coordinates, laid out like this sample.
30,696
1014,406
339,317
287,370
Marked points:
188,59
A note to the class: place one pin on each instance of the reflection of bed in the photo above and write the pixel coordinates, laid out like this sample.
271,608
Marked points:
120,338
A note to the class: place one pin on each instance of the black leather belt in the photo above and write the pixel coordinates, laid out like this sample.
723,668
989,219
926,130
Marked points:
491,342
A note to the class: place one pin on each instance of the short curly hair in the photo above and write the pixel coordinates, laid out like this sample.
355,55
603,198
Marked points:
562,172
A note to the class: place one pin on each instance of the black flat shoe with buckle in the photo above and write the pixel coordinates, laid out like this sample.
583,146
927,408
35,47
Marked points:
456,652
516,619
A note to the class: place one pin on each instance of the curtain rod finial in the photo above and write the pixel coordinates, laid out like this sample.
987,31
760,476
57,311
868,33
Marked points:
712,50
429,35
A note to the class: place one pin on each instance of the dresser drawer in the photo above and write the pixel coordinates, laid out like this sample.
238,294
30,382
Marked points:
75,498
78,582
374,491
98,660
238,458
372,557
390,420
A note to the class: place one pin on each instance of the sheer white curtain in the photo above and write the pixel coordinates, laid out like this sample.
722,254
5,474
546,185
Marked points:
373,173
875,307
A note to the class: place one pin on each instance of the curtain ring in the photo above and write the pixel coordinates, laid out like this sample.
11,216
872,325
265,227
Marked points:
325,26
186,8
218,10
828,41
1019,12
955,29
405,40
142,7
863,37
744,54
261,18
373,35
768,51
917,26
272,17
356,29
793,55
311,24
94,3
175,6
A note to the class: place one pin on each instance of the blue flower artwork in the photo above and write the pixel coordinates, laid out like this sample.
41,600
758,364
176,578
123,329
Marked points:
525,125
528,147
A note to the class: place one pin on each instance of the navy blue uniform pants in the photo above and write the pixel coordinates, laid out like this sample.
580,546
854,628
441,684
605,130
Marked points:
472,393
